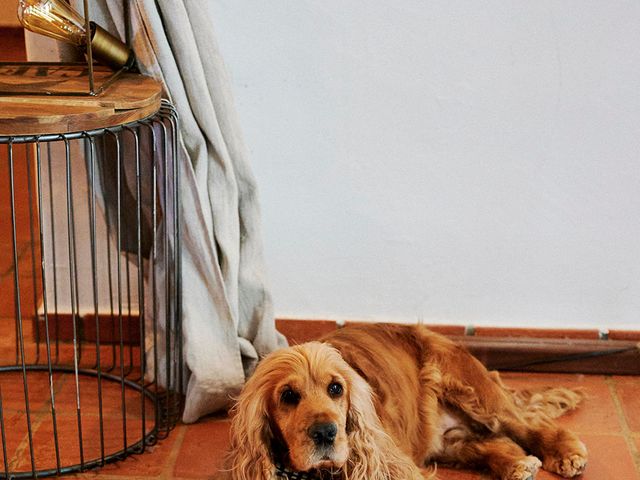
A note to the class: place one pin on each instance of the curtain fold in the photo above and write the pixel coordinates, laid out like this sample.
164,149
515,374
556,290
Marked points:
227,318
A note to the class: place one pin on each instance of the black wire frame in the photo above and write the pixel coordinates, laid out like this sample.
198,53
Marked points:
117,373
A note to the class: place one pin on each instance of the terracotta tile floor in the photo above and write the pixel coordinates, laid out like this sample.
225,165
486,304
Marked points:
608,424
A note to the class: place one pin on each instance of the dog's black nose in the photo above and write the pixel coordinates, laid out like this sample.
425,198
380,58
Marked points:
323,434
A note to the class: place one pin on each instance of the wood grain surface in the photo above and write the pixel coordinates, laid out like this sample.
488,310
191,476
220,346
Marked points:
131,97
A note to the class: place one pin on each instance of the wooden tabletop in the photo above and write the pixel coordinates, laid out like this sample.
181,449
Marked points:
131,97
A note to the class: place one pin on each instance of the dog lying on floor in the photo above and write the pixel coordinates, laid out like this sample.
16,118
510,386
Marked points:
381,402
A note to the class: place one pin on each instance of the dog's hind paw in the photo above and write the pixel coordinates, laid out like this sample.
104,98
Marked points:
524,469
569,465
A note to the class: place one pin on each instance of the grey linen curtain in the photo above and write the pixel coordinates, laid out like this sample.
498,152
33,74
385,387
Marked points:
227,310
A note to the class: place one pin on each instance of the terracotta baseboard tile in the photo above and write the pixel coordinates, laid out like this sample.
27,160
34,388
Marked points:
632,335
359,322
533,350
442,329
446,329
508,332
61,327
12,39
312,326
301,331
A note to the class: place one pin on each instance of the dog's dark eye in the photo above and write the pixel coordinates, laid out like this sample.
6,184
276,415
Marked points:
289,397
335,389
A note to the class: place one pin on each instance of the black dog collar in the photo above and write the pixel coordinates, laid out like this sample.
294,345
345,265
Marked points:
286,474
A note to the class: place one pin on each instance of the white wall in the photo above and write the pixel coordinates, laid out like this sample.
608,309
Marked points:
473,162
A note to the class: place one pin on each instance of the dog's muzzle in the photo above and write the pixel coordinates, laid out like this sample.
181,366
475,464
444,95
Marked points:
323,434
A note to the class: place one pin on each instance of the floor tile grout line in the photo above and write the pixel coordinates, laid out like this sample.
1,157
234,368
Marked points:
627,432
40,416
180,432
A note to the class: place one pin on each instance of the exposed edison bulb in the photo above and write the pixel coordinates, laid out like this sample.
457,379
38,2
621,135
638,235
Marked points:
53,18
56,19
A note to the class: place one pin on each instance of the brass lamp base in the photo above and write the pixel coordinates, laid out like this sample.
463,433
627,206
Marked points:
71,78
109,50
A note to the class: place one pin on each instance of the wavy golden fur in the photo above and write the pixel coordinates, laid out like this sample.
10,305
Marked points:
379,402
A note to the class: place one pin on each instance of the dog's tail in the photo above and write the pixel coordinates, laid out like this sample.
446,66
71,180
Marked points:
550,401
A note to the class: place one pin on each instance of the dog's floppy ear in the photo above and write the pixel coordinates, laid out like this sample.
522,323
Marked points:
373,455
251,435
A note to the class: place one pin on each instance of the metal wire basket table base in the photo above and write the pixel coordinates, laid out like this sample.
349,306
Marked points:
90,338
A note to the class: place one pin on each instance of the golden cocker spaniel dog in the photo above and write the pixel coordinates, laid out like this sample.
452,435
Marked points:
381,402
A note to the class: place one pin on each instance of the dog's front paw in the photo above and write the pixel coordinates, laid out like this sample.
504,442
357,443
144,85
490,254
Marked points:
524,469
568,465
